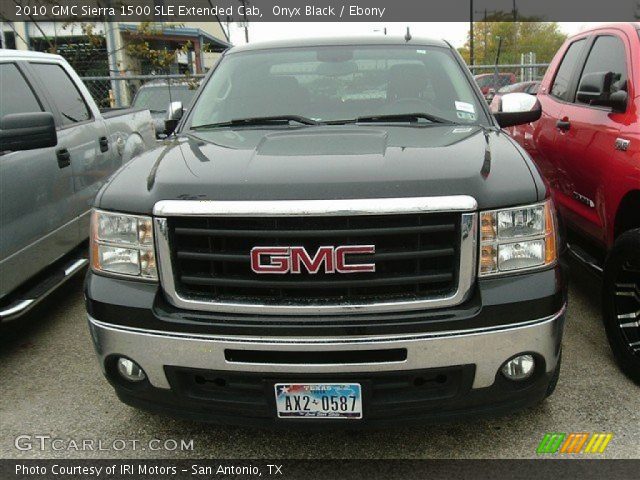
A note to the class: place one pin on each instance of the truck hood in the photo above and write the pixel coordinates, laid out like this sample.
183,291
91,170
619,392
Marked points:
327,162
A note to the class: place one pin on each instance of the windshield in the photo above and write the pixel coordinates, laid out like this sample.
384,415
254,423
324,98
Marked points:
157,99
338,83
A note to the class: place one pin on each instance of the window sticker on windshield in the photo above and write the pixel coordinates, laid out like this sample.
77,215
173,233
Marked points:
466,116
465,111
421,52
465,107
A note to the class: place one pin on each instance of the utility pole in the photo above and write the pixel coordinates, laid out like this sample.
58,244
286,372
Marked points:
498,52
3,39
245,22
515,28
485,16
496,76
471,57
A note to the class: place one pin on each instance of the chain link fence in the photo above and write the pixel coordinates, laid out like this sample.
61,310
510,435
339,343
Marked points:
523,71
149,91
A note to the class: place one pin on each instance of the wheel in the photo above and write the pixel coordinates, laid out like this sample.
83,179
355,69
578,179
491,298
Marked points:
621,302
554,380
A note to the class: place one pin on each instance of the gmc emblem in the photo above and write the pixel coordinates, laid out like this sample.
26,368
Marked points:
281,260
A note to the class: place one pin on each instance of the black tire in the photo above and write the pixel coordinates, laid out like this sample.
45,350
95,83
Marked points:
621,302
554,380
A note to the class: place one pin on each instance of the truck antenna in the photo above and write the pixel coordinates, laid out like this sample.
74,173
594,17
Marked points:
407,36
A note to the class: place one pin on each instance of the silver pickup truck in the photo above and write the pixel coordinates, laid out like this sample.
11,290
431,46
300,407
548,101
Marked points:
56,150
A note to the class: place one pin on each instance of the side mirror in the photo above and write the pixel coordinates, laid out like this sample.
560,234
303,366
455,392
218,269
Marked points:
175,110
517,109
159,126
595,89
27,131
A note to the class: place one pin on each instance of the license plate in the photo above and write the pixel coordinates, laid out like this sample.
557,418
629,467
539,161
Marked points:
318,400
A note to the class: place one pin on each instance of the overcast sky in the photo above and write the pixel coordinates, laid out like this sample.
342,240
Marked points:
454,32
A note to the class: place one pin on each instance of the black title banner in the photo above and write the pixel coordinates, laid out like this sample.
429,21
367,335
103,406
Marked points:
320,10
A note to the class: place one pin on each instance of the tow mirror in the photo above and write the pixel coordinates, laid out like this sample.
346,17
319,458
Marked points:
175,110
595,89
517,109
27,131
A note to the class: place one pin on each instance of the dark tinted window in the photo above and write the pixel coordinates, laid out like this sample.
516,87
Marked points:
16,95
63,92
560,87
608,55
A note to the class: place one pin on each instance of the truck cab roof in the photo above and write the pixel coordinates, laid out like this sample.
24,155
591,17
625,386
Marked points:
628,27
7,54
341,41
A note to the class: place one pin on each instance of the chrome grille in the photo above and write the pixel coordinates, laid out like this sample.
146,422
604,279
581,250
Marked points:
205,260
416,256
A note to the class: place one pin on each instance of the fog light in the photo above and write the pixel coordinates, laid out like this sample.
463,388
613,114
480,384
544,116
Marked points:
519,368
130,370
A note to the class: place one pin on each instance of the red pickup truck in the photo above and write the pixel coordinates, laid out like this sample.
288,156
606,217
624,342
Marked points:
587,145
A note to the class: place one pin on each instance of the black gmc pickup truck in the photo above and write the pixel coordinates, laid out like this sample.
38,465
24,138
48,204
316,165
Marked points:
337,232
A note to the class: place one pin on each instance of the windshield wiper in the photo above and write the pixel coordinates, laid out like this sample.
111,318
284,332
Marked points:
257,121
395,117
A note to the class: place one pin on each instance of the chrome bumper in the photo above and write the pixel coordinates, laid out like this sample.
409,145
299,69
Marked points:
487,349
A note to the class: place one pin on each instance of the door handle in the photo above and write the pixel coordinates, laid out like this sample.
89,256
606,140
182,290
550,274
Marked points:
563,125
64,158
104,144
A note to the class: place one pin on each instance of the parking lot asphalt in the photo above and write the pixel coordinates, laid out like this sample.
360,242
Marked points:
51,385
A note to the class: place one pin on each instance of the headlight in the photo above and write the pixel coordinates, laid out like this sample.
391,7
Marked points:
517,239
123,245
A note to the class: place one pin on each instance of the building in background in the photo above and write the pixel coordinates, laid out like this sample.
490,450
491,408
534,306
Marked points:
115,58
96,48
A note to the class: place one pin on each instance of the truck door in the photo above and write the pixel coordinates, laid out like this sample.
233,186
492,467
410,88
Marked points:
587,138
36,193
82,136
541,138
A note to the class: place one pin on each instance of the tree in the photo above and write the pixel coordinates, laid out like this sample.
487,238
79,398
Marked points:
149,56
87,51
542,38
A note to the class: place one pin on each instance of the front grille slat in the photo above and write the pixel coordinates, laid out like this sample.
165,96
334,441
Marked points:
214,257
379,256
308,284
314,233
416,257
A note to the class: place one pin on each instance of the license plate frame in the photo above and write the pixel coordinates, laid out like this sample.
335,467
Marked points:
318,400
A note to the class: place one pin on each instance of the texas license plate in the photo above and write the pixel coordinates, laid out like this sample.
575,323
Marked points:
318,400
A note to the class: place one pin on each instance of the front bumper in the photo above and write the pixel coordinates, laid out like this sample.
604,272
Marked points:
463,368
486,349
416,366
